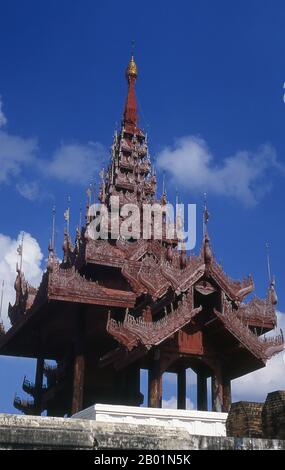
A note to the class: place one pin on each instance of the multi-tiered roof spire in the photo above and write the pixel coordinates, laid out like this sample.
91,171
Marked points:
128,175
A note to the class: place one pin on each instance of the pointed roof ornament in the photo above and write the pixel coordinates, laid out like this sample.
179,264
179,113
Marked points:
163,198
66,215
163,184
20,252
206,215
52,241
272,296
130,113
132,71
267,246
206,248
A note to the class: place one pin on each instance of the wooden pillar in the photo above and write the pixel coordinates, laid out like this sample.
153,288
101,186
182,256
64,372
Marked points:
217,393
155,382
202,395
39,384
78,366
78,383
181,389
227,395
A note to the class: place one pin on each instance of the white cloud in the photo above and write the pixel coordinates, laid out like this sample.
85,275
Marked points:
73,163
172,403
256,386
243,176
32,257
76,163
15,152
3,119
29,191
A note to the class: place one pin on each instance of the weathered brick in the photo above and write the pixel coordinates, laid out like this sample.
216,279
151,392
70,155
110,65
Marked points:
273,416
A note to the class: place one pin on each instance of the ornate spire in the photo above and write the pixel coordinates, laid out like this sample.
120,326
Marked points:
206,249
132,70
271,289
130,113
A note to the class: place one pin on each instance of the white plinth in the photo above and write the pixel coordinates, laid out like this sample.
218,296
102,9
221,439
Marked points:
206,423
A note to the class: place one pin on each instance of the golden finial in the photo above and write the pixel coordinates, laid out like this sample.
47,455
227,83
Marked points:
132,70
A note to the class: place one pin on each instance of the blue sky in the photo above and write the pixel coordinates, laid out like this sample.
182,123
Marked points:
210,94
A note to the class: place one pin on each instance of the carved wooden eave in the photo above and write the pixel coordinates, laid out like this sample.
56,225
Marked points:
154,275
103,252
262,349
134,251
258,312
25,299
236,290
69,285
135,331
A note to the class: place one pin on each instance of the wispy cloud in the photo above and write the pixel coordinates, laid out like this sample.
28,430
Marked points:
3,119
73,163
15,153
243,176
30,191
76,163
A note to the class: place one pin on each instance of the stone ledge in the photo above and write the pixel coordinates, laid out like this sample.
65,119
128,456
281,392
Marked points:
201,423
34,432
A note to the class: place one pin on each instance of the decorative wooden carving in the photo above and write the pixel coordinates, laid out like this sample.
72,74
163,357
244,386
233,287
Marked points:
68,284
262,348
257,311
134,331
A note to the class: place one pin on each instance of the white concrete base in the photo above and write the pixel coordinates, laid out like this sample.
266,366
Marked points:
205,423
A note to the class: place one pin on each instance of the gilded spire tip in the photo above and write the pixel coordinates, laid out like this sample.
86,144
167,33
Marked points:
132,70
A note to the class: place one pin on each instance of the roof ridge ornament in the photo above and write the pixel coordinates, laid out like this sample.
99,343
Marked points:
272,296
206,248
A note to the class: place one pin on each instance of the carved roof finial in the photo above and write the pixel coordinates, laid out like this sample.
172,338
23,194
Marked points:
67,215
163,198
132,70
271,289
206,215
20,252
52,241
267,246
206,248
80,216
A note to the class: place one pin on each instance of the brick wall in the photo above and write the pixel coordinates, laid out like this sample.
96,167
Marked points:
244,419
273,415
250,419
